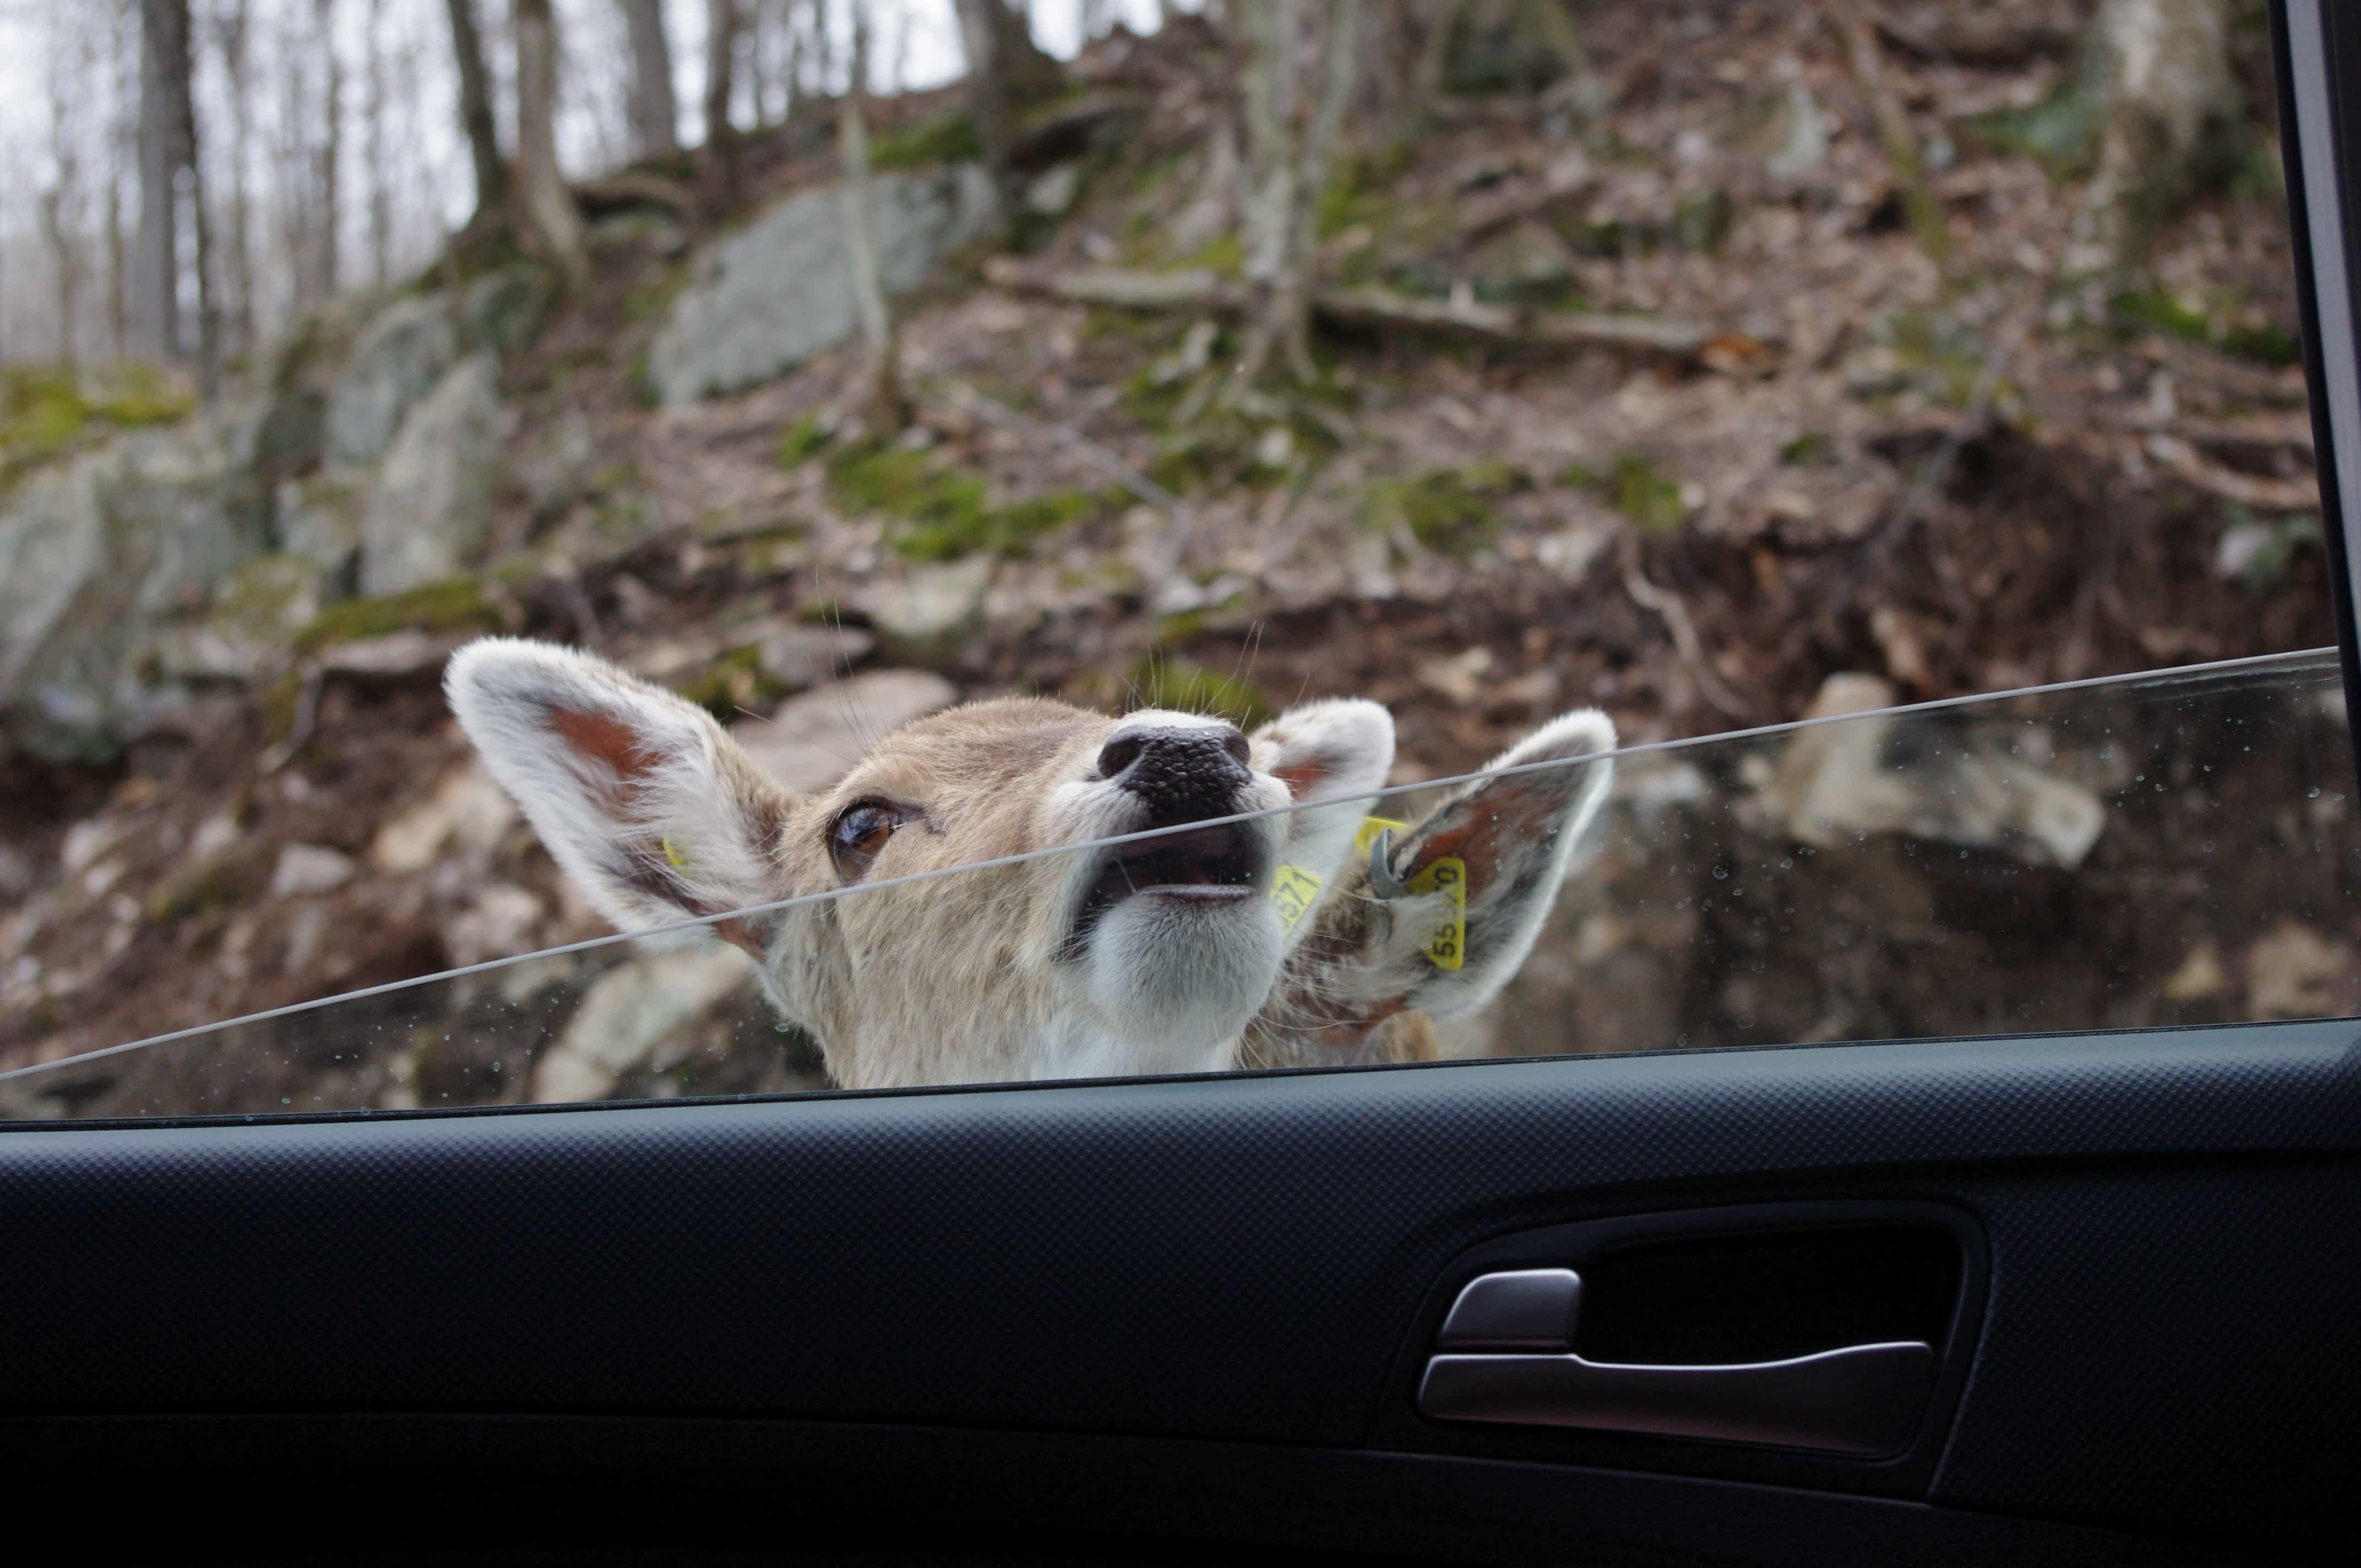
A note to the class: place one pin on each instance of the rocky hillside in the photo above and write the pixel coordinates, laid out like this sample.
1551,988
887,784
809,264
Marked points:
1683,422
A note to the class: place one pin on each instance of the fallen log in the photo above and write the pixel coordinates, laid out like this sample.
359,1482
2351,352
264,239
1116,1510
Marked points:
2247,490
1508,323
1203,291
1191,289
621,193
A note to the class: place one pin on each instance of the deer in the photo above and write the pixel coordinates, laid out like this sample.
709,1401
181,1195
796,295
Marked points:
1150,893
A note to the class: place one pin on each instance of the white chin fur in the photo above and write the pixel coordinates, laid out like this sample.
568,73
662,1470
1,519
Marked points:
1178,982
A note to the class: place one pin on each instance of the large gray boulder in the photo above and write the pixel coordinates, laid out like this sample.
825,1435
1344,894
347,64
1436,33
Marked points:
502,310
93,557
319,519
432,510
402,353
779,290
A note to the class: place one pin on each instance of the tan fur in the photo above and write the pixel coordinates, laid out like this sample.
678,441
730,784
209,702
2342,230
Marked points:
973,976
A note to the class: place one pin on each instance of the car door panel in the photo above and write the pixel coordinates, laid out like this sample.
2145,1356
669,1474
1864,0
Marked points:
2164,1346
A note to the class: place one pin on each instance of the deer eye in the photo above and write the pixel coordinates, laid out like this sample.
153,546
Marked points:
860,832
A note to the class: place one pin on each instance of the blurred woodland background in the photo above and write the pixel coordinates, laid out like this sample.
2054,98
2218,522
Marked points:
831,360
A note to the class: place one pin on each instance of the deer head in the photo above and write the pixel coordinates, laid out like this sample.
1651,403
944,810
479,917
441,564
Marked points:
1244,906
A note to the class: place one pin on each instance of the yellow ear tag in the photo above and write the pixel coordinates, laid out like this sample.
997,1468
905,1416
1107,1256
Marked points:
1295,891
679,860
1446,874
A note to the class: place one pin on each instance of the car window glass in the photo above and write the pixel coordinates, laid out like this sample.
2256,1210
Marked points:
1745,377
2175,847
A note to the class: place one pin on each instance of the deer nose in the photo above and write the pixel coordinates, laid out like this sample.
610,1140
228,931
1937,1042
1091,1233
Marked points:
1180,774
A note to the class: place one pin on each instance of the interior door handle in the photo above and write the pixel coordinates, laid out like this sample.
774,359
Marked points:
1863,1400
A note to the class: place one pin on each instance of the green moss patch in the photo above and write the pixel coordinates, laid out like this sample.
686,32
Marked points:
1362,190
733,682
2221,326
942,513
951,138
2061,133
902,483
1646,495
805,439
1813,449
1452,512
47,408
455,604
1937,357
1159,681
207,888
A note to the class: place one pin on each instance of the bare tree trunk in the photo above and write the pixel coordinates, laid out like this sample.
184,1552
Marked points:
1893,132
380,192
231,33
2156,76
655,111
1027,72
60,204
883,407
58,213
209,351
786,47
1433,54
163,116
793,50
327,155
476,116
720,62
981,31
549,207
291,163
1291,135
123,159
613,143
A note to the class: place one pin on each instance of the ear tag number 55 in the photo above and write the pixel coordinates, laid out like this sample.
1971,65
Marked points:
1446,874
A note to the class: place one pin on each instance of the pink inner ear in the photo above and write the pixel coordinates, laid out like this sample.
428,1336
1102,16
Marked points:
1301,778
1479,828
601,739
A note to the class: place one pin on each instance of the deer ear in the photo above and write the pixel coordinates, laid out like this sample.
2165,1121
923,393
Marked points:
655,812
1462,896
1334,756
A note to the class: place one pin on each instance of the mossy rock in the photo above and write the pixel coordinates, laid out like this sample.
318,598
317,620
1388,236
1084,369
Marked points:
454,604
46,410
950,138
272,599
503,310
